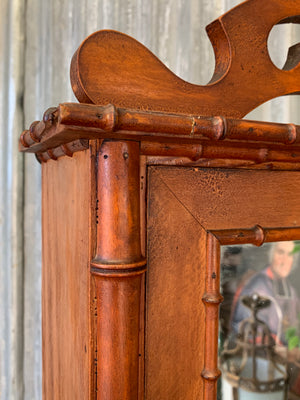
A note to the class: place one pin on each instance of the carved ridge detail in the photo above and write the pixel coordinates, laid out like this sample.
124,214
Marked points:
113,269
211,299
67,149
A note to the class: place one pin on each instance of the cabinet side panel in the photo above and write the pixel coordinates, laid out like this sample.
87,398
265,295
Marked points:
174,339
65,277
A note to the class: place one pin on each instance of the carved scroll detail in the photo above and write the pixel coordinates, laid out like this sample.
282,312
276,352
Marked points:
110,67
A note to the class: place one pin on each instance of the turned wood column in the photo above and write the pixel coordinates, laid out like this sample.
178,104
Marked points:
118,270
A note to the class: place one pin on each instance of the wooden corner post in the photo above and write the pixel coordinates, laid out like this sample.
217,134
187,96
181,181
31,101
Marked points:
117,270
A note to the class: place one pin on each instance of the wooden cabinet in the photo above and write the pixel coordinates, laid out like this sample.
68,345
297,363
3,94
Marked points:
143,180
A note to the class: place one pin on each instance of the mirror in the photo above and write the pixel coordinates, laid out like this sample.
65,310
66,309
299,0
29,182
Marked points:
259,322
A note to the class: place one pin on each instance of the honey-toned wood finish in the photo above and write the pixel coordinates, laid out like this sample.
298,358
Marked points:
211,299
150,166
66,209
175,285
118,269
243,67
82,120
233,191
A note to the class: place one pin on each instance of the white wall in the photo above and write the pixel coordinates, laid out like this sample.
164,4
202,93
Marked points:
37,41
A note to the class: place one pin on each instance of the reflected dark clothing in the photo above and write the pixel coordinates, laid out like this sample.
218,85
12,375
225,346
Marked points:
284,308
229,284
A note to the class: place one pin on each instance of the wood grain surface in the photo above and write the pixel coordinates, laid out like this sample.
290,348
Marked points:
174,342
183,203
231,199
118,269
65,278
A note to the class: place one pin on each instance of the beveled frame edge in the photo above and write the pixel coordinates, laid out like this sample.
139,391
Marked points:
212,298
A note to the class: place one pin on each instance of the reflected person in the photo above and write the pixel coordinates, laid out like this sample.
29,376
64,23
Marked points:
272,282
230,276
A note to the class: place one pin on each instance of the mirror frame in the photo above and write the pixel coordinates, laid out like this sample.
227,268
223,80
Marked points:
212,298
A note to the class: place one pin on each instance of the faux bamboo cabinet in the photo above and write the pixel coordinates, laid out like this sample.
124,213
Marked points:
143,180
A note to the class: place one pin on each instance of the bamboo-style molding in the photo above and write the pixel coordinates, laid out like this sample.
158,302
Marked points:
256,235
212,297
194,153
72,121
222,150
118,270
67,149
220,163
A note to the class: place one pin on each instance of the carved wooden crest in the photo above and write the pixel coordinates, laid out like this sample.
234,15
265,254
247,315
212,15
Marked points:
110,67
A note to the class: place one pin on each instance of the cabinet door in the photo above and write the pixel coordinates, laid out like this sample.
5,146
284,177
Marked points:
183,206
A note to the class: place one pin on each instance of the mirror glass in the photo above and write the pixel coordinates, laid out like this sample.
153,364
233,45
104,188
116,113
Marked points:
259,322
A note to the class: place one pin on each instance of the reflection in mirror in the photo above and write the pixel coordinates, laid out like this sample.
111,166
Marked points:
259,335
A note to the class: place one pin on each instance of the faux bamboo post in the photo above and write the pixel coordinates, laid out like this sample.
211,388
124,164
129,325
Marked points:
211,299
118,271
